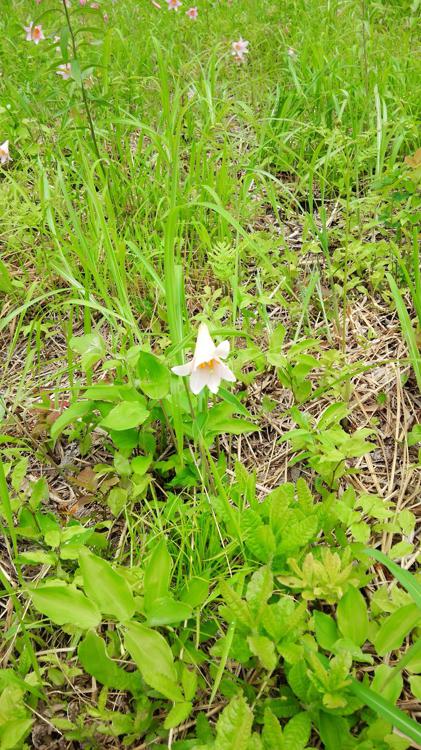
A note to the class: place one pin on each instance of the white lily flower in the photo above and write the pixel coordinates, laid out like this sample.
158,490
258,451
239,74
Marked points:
206,367
4,153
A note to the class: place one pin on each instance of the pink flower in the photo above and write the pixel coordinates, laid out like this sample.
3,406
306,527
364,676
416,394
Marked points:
34,33
4,153
83,2
239,49
192,13
106,17
94,6
173,4
65,71
206,367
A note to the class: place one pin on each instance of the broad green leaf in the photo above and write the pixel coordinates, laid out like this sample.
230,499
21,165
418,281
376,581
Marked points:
154,377
140,464
107,588
154,659
178,714
157,574
297,732
326,630
234,401
264,649
233,729
395,628
91,346
352,616
333,730
64,604
94,658
195,591
271,732
72,414
125,416
387,682
259,589
167,611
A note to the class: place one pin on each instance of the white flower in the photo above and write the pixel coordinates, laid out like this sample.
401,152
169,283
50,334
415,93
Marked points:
65,71
4,153
239,49
34,33
173,4
206,367
192,13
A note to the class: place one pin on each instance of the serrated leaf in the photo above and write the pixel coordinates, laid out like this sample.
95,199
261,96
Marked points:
271,732
179,713
297,732
237,605
233,729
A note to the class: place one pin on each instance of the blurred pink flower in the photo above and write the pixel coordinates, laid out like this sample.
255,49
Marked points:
4,153
34,33
65,71
173,4
106,17
192,13
94,6
239,49
83,2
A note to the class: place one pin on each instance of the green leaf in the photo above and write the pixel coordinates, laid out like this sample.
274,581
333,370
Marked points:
352,616
407,329
237,605
64,604
72,414
235,402
326,630
91,346
154,377
107,588
407,580
395,628
179,713
167,611
333,730
233,729
94,658
154,660
125,416
157,574
264,649
297,732
271,732
387,682
383,708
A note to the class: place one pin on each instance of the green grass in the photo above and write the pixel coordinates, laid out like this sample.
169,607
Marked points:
189,571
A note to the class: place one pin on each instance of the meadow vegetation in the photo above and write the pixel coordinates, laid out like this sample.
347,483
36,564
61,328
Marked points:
210,381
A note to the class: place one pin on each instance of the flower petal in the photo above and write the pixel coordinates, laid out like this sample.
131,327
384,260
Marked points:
205,348
198,380
222,350
224,373
183,369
